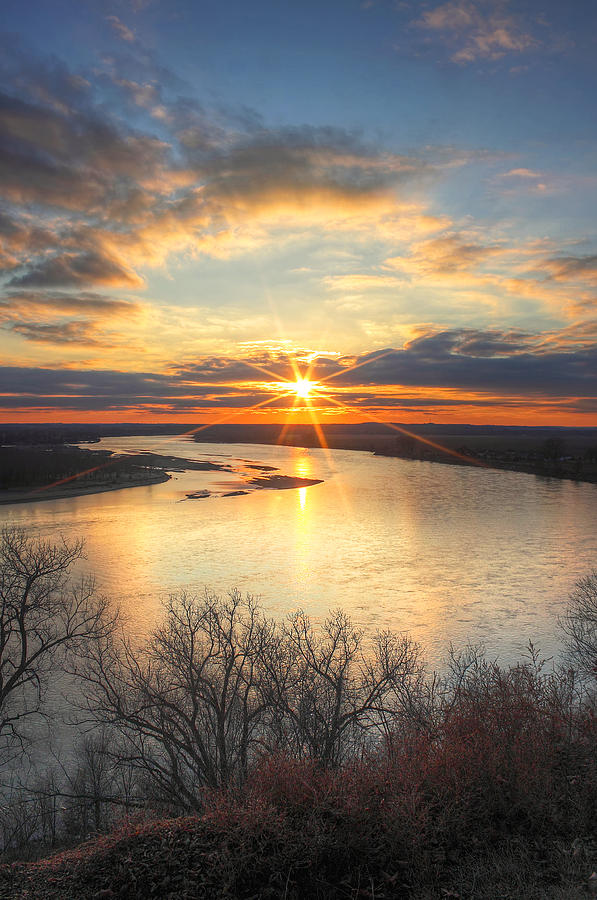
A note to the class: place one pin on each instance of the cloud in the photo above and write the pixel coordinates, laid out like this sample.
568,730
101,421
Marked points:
48,317
259,367
450,253
120,29
45,80
462,263
94,197
19,237
116,197
58,304
521,173
76,159
73,332
477,29
528,181
509,361
74,270
359,283
436,369
108,390
502,362
573,268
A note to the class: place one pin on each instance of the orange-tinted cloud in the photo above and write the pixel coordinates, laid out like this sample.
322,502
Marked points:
572,268
71,332
93,200
494,372
445,255
84,320
77,270
138,198
477,29
54,303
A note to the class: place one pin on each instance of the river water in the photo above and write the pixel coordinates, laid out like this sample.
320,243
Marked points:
450,554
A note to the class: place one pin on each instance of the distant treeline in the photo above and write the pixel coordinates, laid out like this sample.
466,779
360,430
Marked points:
552,452
547,451
30,467
267,432
61,433
66,433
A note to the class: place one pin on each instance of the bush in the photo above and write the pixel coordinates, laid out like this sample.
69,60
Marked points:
580,626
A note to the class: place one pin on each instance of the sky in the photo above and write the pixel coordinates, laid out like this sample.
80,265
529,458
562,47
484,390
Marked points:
204,202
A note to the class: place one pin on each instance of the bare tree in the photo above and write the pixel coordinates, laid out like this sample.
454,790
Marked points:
189,703
43,617
92,787
333,692
218,683
580,625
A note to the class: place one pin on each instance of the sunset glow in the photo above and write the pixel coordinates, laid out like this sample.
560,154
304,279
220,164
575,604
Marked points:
298,447
194,223
303,387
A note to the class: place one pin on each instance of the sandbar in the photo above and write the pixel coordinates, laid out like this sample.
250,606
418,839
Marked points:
283,482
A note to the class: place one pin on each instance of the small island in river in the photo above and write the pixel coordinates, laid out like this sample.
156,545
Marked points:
33,473
283,482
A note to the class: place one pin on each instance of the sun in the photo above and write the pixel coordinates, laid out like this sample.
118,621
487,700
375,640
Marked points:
303,387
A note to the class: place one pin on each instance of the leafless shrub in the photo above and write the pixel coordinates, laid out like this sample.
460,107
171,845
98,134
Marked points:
580,626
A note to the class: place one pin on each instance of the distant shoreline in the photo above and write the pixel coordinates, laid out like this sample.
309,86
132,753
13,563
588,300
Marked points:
499,466
162,466
498,453
487,452
36,495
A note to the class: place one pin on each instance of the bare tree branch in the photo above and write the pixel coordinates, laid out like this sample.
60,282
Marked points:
43,618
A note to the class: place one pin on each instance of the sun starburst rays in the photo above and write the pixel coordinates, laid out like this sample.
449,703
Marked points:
303,390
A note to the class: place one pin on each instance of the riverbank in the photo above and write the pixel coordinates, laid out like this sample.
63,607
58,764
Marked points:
545,451
32,473
66,492
103,470
571,469
561,453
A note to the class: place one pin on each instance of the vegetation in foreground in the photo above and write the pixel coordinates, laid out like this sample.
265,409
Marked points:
306,762
486,808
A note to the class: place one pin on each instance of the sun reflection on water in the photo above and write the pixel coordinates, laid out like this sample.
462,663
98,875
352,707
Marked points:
304,469
303,549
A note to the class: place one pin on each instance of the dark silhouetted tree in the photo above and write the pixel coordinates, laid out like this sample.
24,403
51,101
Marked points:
580,625
44,617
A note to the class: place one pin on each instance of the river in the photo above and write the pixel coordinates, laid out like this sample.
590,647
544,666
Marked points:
450,554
